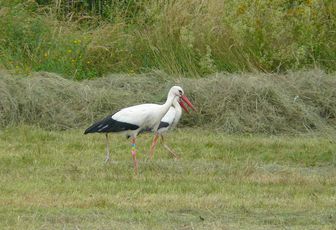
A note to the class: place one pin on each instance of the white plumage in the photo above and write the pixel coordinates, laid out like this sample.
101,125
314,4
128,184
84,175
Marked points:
144,116
168,122
132,120
172,117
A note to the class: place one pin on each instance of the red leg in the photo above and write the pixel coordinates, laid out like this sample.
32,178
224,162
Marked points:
169,149
152,148
135,161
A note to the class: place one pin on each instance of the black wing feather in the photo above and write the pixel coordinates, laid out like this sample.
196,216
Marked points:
108,125
147,130
163,125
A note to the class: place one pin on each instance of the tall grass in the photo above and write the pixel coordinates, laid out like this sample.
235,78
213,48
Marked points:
249,103
33,40
191,38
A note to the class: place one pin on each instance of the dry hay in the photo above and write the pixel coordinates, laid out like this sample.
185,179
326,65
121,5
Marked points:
254,103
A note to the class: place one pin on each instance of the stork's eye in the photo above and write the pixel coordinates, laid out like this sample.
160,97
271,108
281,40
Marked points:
180,91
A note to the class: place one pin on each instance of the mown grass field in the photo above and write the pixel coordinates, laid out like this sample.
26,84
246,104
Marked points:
58,180
252,69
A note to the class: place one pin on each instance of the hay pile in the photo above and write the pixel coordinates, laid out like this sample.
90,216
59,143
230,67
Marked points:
254,103
292,103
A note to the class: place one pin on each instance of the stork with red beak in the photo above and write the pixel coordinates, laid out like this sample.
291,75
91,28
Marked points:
169,122
131,120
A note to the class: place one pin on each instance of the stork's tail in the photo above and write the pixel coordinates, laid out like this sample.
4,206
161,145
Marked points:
92,129
108,124
99,126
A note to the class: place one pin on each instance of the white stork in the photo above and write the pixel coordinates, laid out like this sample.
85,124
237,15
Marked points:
168,122
132,120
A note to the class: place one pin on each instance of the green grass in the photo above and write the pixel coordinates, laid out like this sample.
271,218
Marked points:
55,179
191,38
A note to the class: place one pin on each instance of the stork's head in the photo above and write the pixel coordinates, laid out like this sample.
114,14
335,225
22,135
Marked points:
178,91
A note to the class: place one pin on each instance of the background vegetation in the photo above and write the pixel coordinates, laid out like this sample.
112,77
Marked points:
246,103
85,39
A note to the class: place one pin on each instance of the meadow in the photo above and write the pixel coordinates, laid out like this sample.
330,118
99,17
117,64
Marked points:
259,152
58,180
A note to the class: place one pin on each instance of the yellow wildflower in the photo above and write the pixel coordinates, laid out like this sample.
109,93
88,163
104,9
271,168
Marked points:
77,41
241,9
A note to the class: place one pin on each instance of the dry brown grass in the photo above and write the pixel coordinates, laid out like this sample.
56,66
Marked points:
254,103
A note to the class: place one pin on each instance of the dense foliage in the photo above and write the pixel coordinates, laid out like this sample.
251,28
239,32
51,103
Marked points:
85,39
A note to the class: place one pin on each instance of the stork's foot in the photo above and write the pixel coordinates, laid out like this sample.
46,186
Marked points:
176,158
107,159
136,167
171,152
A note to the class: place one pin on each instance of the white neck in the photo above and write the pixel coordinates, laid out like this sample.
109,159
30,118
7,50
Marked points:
165,107
178,113
177,106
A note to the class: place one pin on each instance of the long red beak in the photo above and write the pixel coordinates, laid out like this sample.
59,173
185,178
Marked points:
183,106
186,100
